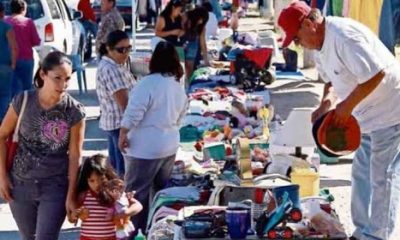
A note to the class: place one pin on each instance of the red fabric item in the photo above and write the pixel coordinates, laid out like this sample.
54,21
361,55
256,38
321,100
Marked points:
87,10
291,18
313,3
88,238
260,56
11,147
98,225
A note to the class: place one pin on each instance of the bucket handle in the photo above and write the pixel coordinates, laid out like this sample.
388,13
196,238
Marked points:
271,176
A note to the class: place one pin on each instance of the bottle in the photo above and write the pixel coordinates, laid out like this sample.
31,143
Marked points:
140,235
315,161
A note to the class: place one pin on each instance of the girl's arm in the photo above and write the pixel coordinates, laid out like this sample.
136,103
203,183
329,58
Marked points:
6,128
75,154
134,208
14,48
203,46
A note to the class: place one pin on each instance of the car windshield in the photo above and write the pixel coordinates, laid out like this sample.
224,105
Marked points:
34,10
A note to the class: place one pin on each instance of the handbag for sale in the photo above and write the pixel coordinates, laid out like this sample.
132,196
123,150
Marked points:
12,141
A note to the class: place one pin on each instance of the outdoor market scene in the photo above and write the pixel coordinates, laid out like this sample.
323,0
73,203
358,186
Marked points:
199,119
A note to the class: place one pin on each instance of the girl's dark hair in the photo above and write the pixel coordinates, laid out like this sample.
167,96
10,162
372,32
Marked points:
207,6
17,6
99,165
168,9
165,60
193,17
1,7
113,38
52,60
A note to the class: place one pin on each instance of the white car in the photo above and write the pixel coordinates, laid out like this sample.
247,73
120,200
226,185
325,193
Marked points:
57,25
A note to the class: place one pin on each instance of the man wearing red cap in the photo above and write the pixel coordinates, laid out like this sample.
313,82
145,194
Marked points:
362,78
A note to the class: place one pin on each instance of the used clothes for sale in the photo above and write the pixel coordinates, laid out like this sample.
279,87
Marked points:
389,27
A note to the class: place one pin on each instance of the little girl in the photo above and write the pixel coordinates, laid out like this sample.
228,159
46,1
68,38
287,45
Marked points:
94,201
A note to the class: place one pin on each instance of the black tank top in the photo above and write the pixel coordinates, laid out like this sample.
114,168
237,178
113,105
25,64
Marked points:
170,25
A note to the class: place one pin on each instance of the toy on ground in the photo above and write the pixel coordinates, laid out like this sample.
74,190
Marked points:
273,225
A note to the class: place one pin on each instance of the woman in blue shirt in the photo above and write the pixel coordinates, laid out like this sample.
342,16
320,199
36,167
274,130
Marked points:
8,58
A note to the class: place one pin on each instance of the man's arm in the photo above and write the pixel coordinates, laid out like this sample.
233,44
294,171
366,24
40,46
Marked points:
345,108
329,99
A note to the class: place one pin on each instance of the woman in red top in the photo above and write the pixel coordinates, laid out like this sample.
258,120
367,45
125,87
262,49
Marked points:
88,19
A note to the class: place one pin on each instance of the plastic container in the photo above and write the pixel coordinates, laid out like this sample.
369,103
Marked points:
238,222
293,191
215,151
326,159
308,180
140,235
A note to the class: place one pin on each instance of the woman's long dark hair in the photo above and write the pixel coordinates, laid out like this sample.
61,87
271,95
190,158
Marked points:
52,60
192,29
170,5
113,38
96,164
165,60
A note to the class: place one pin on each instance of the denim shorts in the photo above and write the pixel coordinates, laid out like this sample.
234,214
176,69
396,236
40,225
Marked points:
191,49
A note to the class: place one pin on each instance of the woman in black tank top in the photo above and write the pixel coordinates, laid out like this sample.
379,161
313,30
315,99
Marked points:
169,24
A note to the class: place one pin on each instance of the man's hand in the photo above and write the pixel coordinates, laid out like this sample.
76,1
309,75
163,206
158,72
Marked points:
321,110
342,113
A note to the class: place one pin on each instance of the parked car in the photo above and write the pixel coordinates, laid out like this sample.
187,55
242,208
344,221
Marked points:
123,6
57,25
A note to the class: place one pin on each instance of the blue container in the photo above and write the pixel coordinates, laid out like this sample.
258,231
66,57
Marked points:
293,191
238,222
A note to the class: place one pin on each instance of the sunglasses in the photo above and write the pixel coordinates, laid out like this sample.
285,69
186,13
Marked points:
123,49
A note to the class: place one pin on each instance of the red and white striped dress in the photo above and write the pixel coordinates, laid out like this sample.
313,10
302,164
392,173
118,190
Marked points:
99,225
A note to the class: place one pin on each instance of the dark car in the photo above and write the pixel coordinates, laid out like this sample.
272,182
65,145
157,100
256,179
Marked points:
124,7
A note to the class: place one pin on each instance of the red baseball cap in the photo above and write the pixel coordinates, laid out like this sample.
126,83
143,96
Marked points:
291,18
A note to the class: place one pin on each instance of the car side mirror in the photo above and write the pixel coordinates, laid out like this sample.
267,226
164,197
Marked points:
77,15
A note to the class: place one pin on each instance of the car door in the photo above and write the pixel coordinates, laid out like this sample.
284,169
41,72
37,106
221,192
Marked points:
67,26
50,27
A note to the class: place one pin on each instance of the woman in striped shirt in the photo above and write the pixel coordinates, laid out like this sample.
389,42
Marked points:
96,204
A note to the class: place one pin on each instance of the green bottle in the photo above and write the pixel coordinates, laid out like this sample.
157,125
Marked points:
140,235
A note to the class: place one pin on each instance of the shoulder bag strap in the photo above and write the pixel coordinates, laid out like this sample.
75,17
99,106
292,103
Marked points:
21,113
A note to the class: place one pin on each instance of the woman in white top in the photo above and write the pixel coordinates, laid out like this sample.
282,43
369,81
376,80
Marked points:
149,136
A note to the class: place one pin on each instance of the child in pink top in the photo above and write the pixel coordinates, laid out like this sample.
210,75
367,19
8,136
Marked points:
97,202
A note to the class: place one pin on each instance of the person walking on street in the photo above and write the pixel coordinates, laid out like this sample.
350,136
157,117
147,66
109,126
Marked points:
149,134
8,61
362,78
111,20
40,187
113,82
27,37
88,19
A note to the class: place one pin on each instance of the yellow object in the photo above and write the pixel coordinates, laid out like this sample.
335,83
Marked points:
366,12
307,179
263,114
244,161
